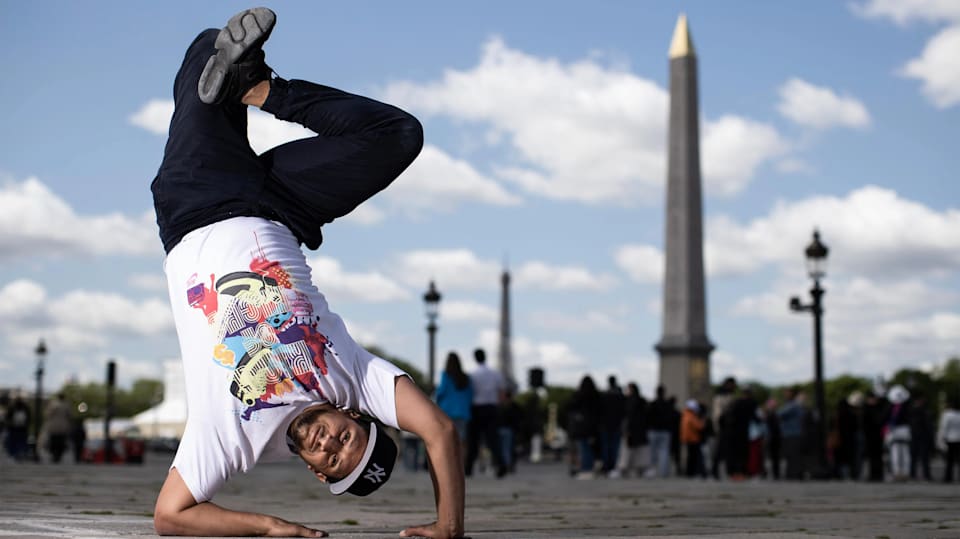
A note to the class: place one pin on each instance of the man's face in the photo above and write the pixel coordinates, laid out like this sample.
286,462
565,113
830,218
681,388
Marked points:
332,443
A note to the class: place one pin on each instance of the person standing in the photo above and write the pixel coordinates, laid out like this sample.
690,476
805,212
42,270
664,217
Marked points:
635,410
793,421
773,437
721,401
78,438
18,426
948,437
614,411
740,414
846,435
454,396
586,408
691,436
873,413
897,432
58,421
509,427
921,437
661,417
488,393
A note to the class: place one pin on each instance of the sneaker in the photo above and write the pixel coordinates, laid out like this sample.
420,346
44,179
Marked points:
585,475
239,62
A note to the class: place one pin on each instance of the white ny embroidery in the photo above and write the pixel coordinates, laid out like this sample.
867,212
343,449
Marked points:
375,474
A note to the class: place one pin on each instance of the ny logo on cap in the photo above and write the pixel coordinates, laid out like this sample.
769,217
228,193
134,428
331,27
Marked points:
375,474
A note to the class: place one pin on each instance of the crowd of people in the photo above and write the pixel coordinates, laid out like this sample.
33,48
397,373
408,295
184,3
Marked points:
484,412
872,436
616,432
60,431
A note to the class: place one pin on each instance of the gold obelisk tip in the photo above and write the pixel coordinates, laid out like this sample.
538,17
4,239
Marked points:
681,45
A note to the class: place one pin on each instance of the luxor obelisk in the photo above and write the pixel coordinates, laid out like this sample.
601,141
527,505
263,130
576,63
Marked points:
684,347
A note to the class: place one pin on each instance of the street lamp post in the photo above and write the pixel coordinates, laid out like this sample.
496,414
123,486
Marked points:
816,254
432,302
41,352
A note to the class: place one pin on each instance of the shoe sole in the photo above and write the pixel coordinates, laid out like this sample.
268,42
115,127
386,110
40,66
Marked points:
244,31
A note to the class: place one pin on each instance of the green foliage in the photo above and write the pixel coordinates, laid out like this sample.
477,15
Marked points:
916,382
841,387
760,391
143,394
948,379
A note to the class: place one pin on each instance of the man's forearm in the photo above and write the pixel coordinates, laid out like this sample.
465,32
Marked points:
177,513
416,414
447,474
209,519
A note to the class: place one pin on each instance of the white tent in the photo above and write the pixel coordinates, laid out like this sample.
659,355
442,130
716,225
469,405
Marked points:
167,419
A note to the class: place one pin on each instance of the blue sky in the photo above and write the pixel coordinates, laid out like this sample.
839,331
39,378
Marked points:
545,149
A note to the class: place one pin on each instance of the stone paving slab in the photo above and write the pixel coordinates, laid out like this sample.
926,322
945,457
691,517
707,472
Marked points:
540,501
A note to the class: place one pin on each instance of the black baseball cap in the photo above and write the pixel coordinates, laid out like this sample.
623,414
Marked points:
374,468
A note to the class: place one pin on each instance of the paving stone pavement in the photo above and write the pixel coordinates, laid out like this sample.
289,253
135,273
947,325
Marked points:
540,501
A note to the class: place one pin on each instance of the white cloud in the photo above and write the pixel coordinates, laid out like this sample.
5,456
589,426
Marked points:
22,300
871,232
98,312
819,107
904,11
368,334
856,301
869,327
537,274
577,321
438,182
263,130
154,116
723,364
561,363
468,311
35,221
450,269
435,181
77,328
733,149
462,269
337,284
794,166
643,263
606,128
366,214
154,282
938,68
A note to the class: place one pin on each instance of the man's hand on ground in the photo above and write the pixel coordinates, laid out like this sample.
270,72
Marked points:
282,528
431,530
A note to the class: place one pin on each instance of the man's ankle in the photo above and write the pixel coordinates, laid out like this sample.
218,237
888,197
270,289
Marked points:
257,94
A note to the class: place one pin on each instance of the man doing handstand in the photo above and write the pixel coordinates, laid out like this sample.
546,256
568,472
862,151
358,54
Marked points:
269,368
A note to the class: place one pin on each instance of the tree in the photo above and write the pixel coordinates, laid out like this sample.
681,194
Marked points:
948,378
143,394
841,387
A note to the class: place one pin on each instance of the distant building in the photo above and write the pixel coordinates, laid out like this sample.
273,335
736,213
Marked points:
169,418
504,351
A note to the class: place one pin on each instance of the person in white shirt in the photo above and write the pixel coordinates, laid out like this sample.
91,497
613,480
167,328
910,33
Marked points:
488,392
270,371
